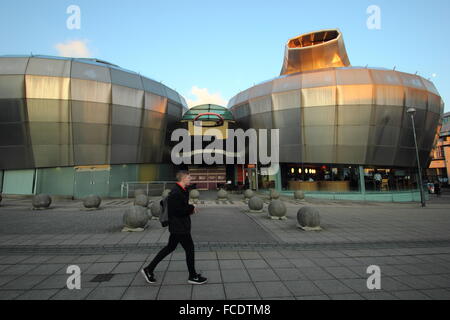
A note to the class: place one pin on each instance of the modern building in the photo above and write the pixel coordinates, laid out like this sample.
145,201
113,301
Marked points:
79,126
344,131
439,169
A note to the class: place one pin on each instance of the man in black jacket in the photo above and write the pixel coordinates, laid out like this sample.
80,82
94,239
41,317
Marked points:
179,211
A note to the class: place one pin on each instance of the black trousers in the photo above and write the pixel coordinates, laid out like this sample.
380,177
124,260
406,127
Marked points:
188,246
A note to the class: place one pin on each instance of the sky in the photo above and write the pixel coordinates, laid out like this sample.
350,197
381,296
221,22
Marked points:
211,50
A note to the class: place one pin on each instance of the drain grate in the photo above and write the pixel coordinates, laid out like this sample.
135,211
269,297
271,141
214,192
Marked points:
103,277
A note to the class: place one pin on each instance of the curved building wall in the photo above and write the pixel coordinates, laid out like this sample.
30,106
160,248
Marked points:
344,115
71,112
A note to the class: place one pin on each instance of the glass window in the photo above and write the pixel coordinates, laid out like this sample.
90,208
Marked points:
320,178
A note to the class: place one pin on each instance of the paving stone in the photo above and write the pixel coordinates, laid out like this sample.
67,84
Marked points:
249,255
244,290
439,281
326,262
110,258
390,284
128,267
119,280
175,277
316,273
53,282
413,282
231,264
341,272
214,276
270,254
63,259
177,265
410,295
205,255
346,296
358,285
175,292
379,295
106,293
66,294
207,265
279,263
46,269
302,262
10,294
272,289
14,259
36,259
87,259
437,294
303,288
228,255
235,275
177,256
320,297
5,279
208,292
139,279
348,261
135,257
290,274
332,287
100,268
37,294
19,269
263,275
23,282
255,264
141,293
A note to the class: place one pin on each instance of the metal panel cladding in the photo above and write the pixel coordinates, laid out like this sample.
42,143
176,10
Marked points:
330,112
71,111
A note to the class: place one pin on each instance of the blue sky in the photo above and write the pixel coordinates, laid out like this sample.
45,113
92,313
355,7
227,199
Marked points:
222,47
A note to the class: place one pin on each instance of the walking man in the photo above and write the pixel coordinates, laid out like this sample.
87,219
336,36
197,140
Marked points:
179,211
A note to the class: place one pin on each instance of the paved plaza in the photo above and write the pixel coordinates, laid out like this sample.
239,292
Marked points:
244,255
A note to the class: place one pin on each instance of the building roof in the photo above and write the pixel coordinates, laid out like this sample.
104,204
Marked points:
193,112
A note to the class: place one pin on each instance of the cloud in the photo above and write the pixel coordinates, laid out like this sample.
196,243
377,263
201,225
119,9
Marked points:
74,49
203,96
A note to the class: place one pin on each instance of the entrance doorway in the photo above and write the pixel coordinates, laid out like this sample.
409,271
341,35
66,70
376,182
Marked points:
91,180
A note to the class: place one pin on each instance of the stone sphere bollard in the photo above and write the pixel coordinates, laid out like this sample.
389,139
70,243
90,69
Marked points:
299,195
274,194
141,200
194,194
135,218
308,219
277,209
222,194
139,191
165,193
255,204
155,209
92,202
248,193
41,201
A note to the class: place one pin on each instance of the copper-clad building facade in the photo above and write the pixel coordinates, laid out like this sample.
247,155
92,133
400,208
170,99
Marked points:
333,115
71,113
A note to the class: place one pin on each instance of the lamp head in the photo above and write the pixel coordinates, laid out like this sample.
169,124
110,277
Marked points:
411,111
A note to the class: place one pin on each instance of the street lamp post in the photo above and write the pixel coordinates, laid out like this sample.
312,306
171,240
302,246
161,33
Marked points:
412,112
